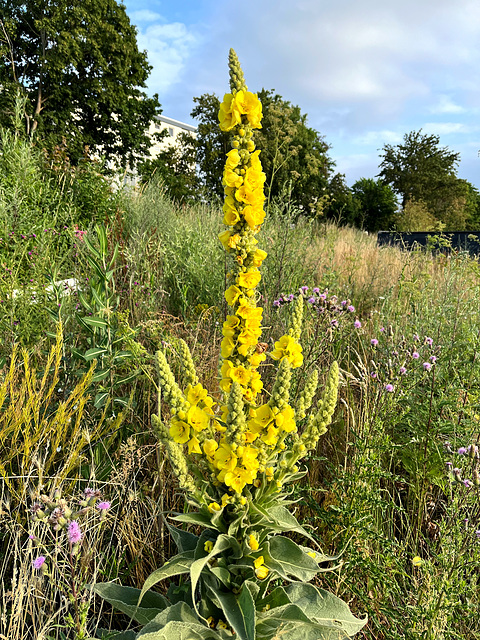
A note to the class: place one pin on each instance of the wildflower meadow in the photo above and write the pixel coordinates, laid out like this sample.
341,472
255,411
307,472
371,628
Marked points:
216,423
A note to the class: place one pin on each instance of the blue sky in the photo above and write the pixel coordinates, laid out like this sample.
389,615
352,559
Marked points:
365,71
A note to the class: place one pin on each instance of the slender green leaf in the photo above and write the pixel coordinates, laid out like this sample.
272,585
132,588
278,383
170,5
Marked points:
95,321
239,610
101,375
100,399
222,543
94,353
178,565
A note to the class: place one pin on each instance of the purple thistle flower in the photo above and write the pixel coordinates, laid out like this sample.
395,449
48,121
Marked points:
291,297
416,336
389,388
415,355
433,358
373,374
427,366
276,303
316,290
39,562
351,308
374,342
382,329
357,324
103,506
468,483
462,451
304,289
429,341
74,532
477,533
403,371
334,323
343,303
311,300
323,296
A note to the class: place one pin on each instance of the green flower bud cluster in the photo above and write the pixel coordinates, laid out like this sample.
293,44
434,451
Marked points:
171,392
177,458
297,319
318,425
186,361
281,388
236,421
237,79
305,398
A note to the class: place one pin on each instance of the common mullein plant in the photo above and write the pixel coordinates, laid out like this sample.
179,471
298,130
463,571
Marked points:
234,461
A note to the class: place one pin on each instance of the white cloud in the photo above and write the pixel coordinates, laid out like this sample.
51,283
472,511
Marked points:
144,15
378,138
169,47
445,128
446,105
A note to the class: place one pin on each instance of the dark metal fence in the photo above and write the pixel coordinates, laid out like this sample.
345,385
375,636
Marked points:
453,241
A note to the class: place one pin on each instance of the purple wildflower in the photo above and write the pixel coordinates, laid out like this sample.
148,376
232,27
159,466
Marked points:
351,308
462,451
415,355
427,366
39,562
477,533
276,303
403,371
373,374
334,323
433,358
316,290
382,329
357,324
311,300
389,388
374,342
416,336
323,296
291,297
468,483
74,532
343,303
429,341
103,506
304,289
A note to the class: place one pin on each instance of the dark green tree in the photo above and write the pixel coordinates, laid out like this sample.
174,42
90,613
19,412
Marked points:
77,65
377,202
341,204
419,169
294,156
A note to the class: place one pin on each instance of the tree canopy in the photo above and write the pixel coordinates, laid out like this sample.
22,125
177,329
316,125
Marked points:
77,65
294,156
377,204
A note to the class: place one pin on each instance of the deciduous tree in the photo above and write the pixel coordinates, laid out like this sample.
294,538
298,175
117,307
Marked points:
77,64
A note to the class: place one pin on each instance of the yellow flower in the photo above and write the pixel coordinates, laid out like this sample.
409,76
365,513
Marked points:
226,499
209,448
208,546
225,239
285,419
213,507
256,383
224,457
263,416
197,418
254,215
195,394
288,347
249,459
249,279
261,571
248,103
194,445
180,431
312,554
253,542
237,479
229,326
269,473
271,436
229,114
258,257
232,294
231,215
221,625
240,375
232,179
417,561
226,347
256,359
233,159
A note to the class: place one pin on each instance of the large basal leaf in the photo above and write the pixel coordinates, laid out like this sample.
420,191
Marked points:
239,610
283,520
286,558
181,631
277,598
222,543
184,540
125,599
179,612
324,607
178,565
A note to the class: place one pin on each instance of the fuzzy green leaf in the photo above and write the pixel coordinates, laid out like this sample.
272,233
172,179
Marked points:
125,599
176,630
239,610
285,521
178,565
184,540
286,558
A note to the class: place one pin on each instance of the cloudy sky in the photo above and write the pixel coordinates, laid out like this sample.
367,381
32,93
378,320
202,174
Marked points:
365,71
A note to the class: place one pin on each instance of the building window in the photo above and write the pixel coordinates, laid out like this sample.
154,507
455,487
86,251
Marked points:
170,132
157,126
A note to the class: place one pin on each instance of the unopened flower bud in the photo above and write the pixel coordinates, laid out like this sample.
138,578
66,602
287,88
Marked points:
476,478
